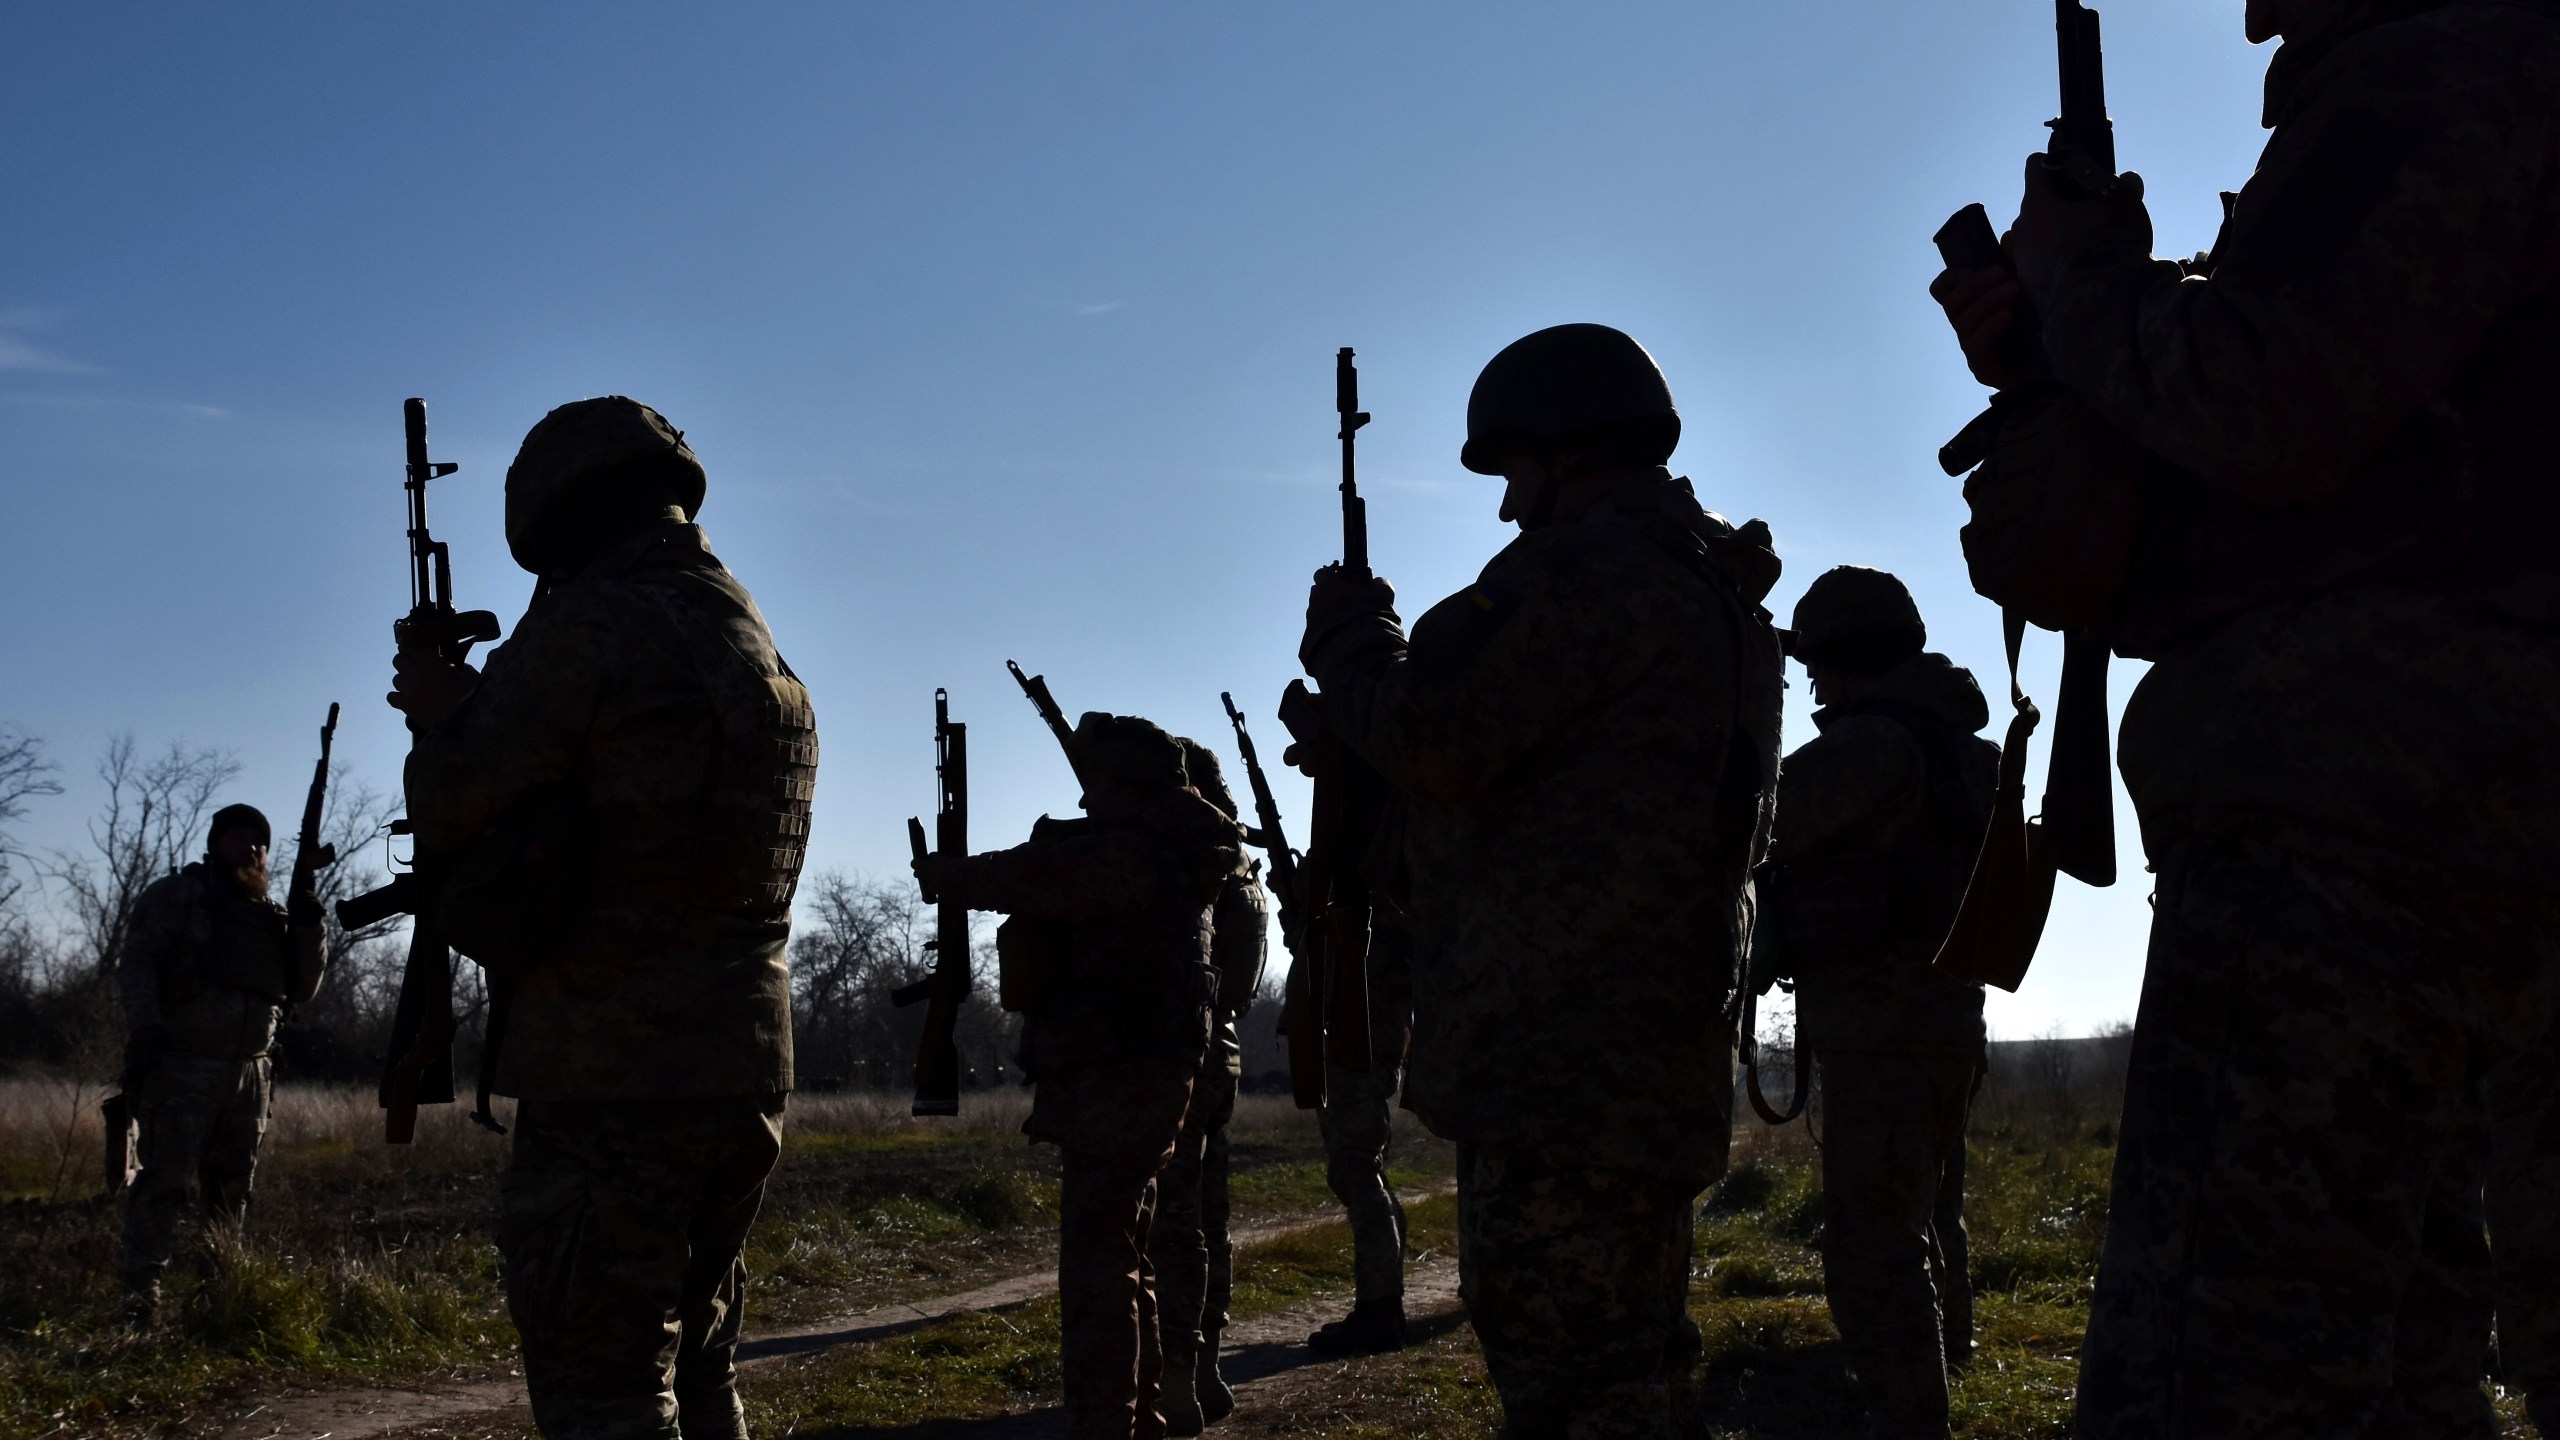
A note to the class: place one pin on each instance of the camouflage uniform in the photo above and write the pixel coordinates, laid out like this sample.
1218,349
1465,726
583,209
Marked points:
205,974
2342,756
1118,906
1585,736
650,1040
1877,821
1359,1124
1188,1245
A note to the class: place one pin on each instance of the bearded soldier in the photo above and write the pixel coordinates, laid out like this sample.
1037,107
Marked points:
2342,755
1188,1243
1586,737
638,760
1879,818
1110,942
207,969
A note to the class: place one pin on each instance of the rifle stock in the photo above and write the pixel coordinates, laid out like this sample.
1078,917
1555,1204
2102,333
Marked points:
2010,893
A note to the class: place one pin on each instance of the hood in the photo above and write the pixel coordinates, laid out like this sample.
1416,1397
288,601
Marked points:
1935,686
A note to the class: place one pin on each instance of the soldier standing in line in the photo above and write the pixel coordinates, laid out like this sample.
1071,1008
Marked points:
1188,1243
1112,912
2342,755
1358,1122
1879,819
641,724
1587,737
208,966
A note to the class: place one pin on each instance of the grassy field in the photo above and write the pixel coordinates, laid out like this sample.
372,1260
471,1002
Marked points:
368,1263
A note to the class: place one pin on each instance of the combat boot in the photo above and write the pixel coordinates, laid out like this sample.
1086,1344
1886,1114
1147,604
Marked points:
1179,1399
1373,1327
1217,1401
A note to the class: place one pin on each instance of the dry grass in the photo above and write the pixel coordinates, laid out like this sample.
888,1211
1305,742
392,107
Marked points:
365,1262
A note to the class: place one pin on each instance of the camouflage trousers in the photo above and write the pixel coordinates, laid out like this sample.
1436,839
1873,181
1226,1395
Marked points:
2524,1222
202,1122
1187,1244
1576,1280
1893,1238
1115,1125
1358,1121
620,1225
2294,1243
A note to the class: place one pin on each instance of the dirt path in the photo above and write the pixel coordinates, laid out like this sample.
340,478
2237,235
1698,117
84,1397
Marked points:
1263,1358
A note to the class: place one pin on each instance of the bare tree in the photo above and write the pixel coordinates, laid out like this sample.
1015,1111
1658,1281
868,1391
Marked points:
858,940
24,775
152,823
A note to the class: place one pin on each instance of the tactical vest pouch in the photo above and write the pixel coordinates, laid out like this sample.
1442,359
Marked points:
1026,954
2055,509
512,896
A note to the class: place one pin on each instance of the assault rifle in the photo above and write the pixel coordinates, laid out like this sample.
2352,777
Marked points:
2081,157
2006,900
937,1052
1036,689
310,854
420,1071
1325,1008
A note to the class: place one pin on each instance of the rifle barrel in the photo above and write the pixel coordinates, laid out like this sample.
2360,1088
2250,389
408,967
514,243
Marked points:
1355,511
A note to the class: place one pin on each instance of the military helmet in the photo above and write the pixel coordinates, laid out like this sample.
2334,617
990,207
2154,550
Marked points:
1859,619
1568,387
1128,749
581,446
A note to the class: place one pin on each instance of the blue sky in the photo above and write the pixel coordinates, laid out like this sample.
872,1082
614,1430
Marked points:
1005,330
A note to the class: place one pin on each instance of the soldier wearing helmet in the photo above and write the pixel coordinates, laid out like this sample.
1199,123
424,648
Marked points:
1587,739
1109,954
1879,819
642,724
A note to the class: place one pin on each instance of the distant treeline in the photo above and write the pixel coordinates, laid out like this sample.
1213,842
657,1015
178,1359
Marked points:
64,915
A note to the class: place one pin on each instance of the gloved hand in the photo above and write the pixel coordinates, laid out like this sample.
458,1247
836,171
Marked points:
1338,598
302,909
931,869
426,688
2054,222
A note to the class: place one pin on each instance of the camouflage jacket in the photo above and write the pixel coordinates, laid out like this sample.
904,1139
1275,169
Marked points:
1121,907
1851,848
623,684
1586,737
2364,384
212,968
